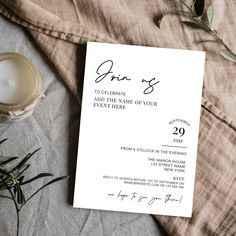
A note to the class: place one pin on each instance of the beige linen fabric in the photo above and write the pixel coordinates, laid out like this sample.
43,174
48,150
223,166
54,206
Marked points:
62,28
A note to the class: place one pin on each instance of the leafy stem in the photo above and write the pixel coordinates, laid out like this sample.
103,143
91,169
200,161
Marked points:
12,180
200,19
17,212
44,186
15,204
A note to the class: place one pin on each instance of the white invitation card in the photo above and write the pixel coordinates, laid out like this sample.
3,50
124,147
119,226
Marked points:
139,129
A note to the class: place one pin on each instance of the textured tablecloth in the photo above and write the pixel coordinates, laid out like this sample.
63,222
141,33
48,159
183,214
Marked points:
54,128
62,27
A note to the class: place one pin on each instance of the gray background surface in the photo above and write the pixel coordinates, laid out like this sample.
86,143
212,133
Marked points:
54,127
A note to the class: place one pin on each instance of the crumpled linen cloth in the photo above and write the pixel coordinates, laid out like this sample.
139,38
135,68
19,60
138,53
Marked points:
62,27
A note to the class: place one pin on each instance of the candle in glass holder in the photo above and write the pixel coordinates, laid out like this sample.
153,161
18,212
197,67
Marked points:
20,87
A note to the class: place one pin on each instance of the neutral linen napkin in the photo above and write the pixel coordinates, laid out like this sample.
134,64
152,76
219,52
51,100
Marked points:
62,28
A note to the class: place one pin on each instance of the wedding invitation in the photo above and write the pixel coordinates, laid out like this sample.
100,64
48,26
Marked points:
139,129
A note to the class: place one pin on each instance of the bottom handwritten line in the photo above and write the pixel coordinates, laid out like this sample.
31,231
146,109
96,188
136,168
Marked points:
137,197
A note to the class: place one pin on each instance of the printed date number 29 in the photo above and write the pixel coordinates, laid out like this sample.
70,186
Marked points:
178,132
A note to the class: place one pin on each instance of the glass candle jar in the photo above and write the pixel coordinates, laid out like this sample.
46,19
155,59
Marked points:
20,87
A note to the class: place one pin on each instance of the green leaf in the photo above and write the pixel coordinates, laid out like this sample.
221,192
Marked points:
20,195
37,177
2,187
198,7
47,184
5,183
22,163
25,167
193,25
4,140
7,160
228,55
15,190
3,172
210,13
21,179
4,196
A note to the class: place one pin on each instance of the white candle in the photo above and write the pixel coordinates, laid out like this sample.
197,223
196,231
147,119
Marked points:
20,86
15,84
8,81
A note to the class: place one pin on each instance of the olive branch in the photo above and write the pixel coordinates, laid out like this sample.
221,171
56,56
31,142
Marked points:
12,179
198,18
